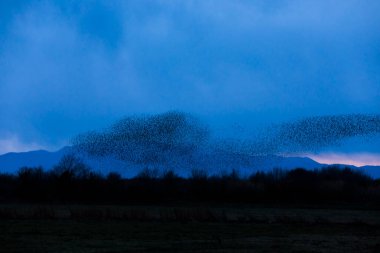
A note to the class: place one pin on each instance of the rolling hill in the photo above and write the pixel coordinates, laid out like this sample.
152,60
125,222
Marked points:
213,163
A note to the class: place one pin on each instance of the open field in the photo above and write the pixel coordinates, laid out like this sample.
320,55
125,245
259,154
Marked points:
58,228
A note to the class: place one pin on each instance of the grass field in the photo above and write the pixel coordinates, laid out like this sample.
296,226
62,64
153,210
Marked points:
58,228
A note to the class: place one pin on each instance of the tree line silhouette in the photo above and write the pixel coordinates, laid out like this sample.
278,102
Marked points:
72,181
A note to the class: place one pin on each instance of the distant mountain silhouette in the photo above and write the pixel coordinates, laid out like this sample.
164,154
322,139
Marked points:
11,162
211,162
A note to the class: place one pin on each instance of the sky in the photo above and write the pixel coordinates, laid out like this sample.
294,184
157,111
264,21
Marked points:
72,66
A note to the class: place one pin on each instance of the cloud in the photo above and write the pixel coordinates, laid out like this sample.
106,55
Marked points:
53,76
357,159
67,66
14,144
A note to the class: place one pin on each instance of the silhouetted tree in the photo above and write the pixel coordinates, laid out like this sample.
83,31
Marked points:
198,174
71,166
72,181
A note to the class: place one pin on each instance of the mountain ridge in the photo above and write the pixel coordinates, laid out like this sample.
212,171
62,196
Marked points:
11,162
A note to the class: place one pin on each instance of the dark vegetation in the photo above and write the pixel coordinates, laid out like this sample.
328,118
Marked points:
71,209
74,209
71,181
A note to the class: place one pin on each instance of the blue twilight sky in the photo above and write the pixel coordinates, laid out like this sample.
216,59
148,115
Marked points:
71,66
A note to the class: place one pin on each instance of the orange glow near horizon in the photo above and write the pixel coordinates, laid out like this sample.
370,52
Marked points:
357,159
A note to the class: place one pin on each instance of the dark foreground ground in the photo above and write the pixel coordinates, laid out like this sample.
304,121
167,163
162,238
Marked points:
77,228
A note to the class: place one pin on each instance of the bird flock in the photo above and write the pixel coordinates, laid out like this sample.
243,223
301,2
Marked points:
159,139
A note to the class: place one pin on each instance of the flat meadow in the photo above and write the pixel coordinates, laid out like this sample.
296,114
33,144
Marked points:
187,228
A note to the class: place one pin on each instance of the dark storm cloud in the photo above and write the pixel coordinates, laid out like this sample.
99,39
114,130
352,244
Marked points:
69,66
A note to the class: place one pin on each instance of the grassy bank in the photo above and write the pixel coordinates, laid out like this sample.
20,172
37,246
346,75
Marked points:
77,228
